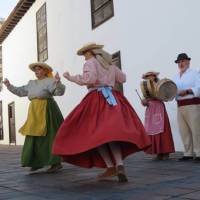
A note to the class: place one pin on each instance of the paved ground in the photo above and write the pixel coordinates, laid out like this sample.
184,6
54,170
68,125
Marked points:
148,180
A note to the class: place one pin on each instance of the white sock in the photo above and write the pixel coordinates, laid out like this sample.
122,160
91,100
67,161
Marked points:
105,155
116,151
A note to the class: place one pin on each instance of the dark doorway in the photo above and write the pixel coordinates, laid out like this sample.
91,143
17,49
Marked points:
1,121
11,120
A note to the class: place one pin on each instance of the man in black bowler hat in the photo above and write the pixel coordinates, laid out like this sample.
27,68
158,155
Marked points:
188,101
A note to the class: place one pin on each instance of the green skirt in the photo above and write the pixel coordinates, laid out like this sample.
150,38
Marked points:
37,151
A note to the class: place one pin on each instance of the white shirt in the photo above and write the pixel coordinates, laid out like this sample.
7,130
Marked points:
190,79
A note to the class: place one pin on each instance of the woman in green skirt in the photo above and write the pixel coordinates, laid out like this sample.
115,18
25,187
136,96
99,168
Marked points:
44,117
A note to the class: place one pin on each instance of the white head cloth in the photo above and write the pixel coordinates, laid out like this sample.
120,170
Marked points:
104,58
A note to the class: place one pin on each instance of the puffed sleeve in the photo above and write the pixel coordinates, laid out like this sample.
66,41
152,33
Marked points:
88,77
120,77
196,88
21,91
56,88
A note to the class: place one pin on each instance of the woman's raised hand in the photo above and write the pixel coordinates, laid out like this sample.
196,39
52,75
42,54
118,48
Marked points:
57,77
6,82
67,75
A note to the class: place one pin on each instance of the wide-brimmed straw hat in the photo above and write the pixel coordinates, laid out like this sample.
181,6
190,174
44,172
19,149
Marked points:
89,46
150,73
40,64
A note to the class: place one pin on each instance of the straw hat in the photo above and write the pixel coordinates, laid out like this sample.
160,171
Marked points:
150,73
40,64
89,46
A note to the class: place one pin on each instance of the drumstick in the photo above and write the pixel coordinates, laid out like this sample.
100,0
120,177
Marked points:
138,94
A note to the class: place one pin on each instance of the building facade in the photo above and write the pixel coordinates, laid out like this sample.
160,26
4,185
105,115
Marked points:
141,35
1,77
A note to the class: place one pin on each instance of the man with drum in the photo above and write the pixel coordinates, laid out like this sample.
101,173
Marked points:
188,101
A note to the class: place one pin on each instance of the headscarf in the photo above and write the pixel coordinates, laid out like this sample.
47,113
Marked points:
104,58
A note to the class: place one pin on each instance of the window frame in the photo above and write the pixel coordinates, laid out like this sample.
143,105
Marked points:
1,58
1,67
93,11
38,32
118,86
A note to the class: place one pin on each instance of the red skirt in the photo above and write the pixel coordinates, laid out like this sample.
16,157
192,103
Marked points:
93,123
162,142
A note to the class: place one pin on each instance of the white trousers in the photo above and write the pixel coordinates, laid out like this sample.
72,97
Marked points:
189,126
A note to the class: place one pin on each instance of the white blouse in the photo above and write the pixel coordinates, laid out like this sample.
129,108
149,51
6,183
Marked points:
45,88
190,79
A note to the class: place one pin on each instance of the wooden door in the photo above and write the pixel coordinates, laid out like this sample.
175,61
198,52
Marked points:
1,122
11,118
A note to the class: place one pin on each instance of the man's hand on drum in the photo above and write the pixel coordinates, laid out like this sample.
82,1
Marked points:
144,102
183,93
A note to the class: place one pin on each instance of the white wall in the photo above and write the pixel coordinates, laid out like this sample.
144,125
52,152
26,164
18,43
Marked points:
149,35
19,49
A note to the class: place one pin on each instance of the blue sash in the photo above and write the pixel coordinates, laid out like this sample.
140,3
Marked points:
108,95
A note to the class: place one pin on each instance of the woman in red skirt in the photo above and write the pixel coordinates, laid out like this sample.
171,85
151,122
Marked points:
157,124
104,128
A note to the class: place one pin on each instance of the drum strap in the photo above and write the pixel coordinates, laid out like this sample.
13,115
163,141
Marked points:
146,89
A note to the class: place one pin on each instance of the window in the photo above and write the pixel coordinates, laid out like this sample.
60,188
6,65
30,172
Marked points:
42,46
0,55
116,59
1,75
101,11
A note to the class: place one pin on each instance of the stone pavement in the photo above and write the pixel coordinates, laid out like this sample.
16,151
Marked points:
148,180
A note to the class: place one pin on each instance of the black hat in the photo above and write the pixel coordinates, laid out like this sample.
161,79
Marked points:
182,56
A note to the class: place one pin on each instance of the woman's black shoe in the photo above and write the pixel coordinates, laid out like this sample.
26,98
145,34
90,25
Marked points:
186,158
197,160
